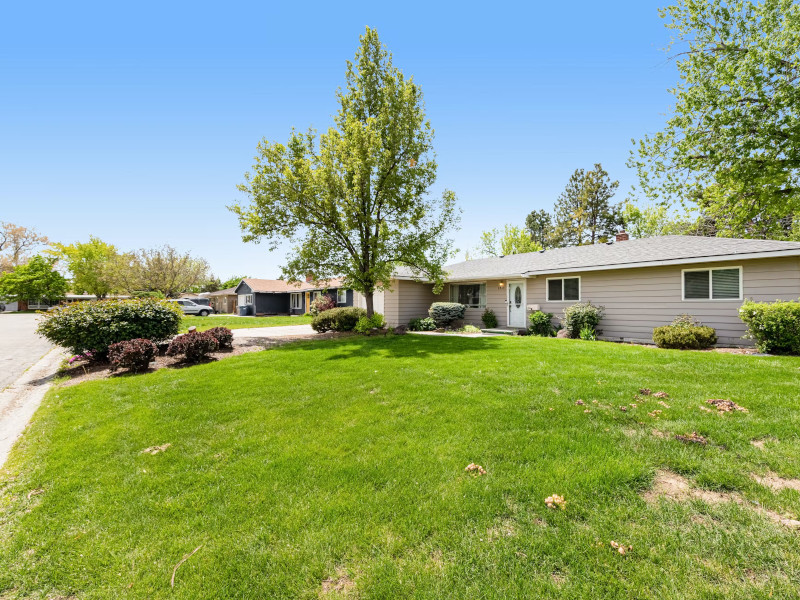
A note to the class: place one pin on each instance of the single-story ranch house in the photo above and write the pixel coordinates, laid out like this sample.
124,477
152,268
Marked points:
224,301
642,283
278,297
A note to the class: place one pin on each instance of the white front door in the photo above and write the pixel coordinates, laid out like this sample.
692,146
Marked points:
516,304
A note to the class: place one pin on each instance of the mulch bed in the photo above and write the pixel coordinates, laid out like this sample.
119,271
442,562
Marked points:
81,371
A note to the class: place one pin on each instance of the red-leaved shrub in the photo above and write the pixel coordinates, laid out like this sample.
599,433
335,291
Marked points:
223,335
194,346
133,355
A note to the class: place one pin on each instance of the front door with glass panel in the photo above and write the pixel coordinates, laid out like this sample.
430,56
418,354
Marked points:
516,304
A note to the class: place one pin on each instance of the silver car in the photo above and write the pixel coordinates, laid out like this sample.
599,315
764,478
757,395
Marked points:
192,308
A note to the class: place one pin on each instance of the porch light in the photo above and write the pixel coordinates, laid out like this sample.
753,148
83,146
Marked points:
501,285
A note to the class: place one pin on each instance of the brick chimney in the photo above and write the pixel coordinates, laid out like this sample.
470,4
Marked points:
309,278
622,236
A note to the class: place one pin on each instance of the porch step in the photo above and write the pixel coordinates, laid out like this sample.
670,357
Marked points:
501,331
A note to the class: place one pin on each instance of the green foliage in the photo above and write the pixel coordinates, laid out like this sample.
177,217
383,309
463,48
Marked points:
444,313
685,333
489,319
223,335
355,198
539,224
140,294
729,148
367,324
469,329
16,244
426,324
320,304
88,263
587,334
193,346
33,280
164,270
95,325
775,326
583,213
582,315
232,282
541,324
134,355
512,240
343,318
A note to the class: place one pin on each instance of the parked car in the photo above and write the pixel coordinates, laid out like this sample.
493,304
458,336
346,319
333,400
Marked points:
192,308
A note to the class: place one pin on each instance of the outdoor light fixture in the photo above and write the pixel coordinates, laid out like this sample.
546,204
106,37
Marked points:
501,285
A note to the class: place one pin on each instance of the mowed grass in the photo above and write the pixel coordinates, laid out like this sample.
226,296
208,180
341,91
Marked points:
336,469
232,322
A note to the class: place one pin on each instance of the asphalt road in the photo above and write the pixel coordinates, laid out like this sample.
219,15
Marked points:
20,346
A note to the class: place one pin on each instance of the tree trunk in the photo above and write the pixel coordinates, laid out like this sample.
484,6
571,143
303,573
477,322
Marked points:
369,297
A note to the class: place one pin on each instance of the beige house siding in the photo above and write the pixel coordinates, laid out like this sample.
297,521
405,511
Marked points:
407,300
637,300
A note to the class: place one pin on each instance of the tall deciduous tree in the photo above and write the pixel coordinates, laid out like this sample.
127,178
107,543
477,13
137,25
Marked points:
88,262
512,240
730,148
17,243
583,212
163,270
355,200
33,280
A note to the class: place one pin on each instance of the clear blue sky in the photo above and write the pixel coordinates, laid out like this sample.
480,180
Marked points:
135,121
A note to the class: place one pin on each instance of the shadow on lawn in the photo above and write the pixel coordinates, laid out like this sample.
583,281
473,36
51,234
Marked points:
412,346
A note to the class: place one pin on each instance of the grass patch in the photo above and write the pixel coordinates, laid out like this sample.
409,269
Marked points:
203,323
337,468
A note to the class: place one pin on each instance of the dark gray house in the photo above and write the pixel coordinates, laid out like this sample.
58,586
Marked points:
278,297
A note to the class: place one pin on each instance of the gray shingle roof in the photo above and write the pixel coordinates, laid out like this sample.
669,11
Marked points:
669,249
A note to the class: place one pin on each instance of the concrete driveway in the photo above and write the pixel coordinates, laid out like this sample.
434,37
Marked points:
20,347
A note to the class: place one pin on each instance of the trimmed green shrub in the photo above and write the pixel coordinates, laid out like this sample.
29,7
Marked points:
134,355
337,319
321,304
580,315
366,324
775,326
444,313
426,324
489,319
541,324
587,334
469,329
95,325
194,346
685,333
223,335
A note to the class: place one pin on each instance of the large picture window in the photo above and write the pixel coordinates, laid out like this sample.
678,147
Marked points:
341,296
723,283
472,295
297,301
564,289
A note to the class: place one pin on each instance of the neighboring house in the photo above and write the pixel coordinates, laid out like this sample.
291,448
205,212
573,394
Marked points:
642,284
278,297
224,301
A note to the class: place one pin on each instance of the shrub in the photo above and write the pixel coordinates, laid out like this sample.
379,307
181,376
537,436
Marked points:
426,324
541,324
95,325
685,333
587,334
580,315
775,326
223,335
489,319
469,329
133,355
366,324
444,313
193,346
321,304
343,318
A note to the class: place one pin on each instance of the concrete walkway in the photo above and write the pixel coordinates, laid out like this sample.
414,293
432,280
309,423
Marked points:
20,346
274,332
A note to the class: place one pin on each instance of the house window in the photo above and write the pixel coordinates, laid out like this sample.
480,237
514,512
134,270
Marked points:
723,283
297,301
245,299
564,289
472,295
341,296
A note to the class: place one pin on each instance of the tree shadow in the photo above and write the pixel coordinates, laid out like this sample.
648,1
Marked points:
412,346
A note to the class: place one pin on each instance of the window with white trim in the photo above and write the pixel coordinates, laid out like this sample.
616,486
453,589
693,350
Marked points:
563,289
341,296
471,295
719,283
296,300
245,299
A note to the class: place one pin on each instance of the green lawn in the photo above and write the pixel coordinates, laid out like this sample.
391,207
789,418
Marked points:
232,322
340,464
